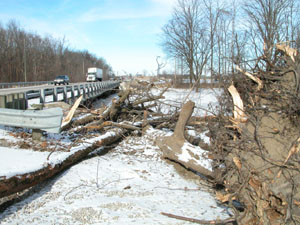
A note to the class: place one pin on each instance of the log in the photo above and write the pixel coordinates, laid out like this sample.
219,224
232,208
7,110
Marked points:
115,107
177,149
21,182
107,113
112,124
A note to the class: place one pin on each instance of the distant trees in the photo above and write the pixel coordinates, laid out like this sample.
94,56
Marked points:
26,56
270,22
211,37
186,36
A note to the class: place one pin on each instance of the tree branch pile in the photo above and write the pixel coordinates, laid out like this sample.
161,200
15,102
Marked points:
131,112
258,141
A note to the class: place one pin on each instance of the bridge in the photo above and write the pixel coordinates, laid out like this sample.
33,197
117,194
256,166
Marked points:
19,97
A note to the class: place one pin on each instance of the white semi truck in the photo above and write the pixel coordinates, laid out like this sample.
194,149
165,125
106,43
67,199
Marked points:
94,74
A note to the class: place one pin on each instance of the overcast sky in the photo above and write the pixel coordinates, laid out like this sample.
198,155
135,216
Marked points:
124,32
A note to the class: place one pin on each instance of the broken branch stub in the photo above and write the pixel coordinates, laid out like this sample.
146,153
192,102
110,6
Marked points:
291,52
184,116
252,77
177,149
238,110
70,115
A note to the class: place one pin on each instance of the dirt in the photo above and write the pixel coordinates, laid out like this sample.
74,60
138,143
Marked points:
261,156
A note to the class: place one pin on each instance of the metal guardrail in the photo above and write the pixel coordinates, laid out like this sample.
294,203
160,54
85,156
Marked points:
48,120
23,84
12,100
17,98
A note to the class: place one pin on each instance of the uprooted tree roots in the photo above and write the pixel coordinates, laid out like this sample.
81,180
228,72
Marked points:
260,150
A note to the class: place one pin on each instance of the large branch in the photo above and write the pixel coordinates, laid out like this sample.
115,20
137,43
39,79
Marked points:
177,149
150,97
113,124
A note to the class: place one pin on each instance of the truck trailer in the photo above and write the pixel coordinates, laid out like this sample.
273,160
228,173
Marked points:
94,74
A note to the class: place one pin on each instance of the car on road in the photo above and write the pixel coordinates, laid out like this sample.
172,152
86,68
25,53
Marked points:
61,79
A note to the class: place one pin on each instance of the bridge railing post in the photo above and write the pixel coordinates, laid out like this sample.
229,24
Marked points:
65,94
42,96
55,94
2,101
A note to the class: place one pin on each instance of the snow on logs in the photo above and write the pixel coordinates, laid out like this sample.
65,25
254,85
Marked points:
20,182
177,149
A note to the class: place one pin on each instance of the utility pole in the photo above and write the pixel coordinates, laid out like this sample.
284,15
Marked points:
181,65
175,72
24,61
83,67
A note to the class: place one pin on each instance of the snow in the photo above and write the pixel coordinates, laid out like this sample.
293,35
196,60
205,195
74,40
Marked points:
23,161
20,161
5,134
203,99
130,184
204,137
190,152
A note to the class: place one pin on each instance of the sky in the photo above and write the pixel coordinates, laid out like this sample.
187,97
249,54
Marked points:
124,32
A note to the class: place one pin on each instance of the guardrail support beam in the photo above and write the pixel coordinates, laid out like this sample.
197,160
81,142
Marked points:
2,101
37,134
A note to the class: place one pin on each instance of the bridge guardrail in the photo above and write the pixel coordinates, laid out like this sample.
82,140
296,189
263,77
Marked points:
48,119
23,84
18,98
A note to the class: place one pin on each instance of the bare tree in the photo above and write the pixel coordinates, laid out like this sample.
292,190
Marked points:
213,13
186,36
160,65
267,23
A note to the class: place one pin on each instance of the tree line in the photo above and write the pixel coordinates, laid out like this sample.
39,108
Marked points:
212,36
27,56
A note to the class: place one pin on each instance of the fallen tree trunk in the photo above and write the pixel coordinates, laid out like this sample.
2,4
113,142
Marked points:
113,124
21,182
177,149
108,113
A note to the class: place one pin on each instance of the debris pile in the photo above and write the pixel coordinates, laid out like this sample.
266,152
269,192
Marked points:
256,151
253,157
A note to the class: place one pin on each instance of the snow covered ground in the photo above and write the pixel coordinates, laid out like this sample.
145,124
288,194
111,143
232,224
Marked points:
130,184
204,100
